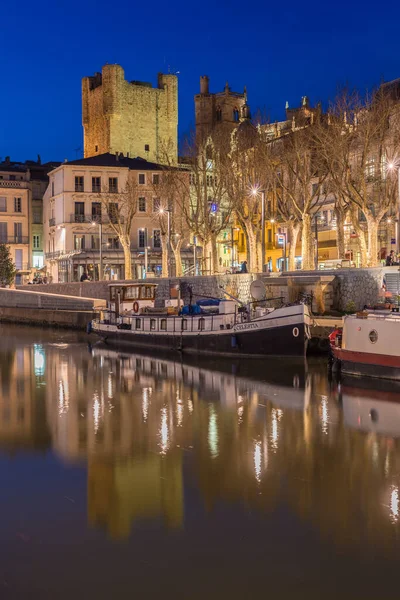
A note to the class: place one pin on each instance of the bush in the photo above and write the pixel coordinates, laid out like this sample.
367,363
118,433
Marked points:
350,308
7,267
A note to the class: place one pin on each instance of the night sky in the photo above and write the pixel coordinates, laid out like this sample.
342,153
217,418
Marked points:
280,51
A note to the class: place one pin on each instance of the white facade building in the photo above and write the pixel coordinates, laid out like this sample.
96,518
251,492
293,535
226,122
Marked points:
74,216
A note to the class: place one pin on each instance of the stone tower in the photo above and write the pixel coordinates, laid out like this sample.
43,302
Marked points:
221,110
130,117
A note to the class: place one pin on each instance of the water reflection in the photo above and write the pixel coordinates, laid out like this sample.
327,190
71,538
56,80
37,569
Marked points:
260,435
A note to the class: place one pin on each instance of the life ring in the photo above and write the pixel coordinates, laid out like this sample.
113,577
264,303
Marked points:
135,307
296,332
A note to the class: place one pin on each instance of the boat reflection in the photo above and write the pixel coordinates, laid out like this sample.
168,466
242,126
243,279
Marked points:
153,433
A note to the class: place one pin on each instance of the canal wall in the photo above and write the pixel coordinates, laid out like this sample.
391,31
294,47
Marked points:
333,290
43,300
209,285
67,319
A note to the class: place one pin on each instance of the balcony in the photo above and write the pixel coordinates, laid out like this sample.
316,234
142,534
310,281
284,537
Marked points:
7,183
15,239
52,222
90,219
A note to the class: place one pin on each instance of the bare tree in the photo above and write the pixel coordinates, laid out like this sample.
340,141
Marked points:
171,189
202,196
120,206
301,176
362,139
245,179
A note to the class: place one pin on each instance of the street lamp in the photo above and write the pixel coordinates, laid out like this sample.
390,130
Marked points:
168,211
255,191
391,167
100,224
146,254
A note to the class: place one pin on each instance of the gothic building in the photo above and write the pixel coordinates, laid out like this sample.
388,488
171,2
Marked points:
222,110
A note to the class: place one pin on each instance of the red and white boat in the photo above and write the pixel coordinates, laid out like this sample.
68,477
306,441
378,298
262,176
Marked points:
368,345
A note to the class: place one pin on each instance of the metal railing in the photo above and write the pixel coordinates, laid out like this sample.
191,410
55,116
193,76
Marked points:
185,322
90,219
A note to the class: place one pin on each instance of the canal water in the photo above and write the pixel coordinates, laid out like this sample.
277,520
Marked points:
130,476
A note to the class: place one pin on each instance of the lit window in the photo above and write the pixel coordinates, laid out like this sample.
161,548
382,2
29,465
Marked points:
113,185
157,238
142,238
79,183
152,324
96,184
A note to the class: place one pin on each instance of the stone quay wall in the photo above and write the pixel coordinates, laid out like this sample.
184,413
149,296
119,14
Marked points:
331,290
65,319
208,286
21,299
361,286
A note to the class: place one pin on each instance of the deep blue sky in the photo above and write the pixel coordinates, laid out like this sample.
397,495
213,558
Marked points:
280,50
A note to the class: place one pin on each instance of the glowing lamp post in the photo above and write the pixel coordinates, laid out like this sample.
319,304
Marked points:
391,167
255,191
168,211
100,224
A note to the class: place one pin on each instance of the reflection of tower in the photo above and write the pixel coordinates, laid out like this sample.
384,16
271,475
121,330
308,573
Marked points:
220,111
140,488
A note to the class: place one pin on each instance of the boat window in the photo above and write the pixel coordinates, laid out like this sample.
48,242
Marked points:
202,323
138,323
184,324
148,292
112,293
373,336
132,292
152,324
143,292
163,325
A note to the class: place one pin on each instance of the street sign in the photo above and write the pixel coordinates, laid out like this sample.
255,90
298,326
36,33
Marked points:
281,239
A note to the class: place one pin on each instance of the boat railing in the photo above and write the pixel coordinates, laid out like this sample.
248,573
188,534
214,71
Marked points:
181,323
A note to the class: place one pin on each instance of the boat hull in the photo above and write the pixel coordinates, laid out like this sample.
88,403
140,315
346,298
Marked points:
282,340
366,364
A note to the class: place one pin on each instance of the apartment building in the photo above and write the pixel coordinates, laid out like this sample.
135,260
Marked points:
22,185
77,224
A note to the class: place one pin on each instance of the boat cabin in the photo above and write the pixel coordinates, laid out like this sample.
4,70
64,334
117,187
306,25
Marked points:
131,298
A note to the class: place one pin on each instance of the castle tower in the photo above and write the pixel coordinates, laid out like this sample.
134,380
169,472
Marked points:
130,117
221,110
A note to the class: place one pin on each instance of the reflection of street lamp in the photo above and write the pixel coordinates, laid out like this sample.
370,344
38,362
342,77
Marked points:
255,191
100,224
391,167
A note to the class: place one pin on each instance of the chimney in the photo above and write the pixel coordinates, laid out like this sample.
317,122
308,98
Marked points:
204,80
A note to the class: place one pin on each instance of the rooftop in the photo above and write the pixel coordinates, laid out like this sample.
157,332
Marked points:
114,160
